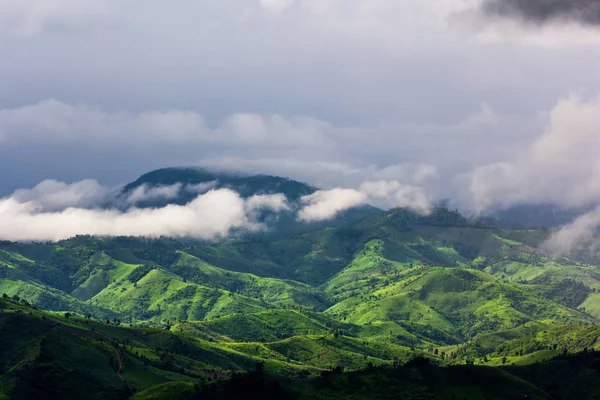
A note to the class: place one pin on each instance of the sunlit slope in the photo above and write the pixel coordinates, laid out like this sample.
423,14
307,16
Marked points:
161,295
397,276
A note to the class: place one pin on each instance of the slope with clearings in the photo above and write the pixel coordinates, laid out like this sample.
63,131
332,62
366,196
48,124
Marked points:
411,283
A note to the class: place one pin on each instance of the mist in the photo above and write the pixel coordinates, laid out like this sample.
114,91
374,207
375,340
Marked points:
55,210
216,214
580,232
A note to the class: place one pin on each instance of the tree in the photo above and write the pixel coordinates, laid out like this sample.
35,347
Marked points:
67,315
4,296
503,360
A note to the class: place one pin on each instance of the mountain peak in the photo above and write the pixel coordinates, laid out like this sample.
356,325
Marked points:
245,184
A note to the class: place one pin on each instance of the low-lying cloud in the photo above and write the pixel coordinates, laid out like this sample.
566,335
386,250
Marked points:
398,195
327,204
145,193
578,233
202,187
213,215
54,210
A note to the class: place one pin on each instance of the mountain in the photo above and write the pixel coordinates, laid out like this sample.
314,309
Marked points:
440,276
198,180
363,297
181,185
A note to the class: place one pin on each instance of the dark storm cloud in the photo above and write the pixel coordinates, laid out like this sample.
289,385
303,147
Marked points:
585,12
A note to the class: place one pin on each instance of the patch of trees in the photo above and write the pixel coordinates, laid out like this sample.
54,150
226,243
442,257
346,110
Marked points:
138,273
431,254
568,292
467,251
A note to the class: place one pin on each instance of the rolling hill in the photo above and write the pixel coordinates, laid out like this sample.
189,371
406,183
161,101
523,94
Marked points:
62,356
365,296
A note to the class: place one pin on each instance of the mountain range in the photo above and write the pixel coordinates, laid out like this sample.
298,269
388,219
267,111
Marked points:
304,310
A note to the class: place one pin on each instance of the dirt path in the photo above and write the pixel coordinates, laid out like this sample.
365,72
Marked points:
95,336
317,356
120,370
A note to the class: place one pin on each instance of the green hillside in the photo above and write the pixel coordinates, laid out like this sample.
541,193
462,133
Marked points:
367,296
61,356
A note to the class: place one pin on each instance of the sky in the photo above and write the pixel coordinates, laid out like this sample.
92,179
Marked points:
489,103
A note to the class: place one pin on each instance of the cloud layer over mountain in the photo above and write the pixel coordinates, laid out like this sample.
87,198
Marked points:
213,215
494,105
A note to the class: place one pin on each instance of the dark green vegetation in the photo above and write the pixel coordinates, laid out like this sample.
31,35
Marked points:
396,305
62,356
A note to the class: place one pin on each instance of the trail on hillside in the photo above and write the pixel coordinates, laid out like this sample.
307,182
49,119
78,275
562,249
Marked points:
95,336
317,356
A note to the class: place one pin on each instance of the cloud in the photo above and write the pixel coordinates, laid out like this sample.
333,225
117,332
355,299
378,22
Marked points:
52,121
585,12
533,23
274,202
213,215
487,160
33,17
326,174
276,5
145,193
52,195
561,166
574,235
308,149
326,204
204,84
202,187
398,195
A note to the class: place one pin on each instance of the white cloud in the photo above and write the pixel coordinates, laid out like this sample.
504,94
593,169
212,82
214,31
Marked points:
52,195
276,5
326,204
145,193
578,233
33,17
397,194
52,121
215,214
276,144
275,202
485,161
560,166
326,174
202,187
